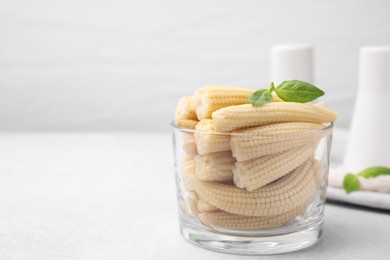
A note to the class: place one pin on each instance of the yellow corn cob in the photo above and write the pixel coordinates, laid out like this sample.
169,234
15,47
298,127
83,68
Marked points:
275,198
215,166
265,140
244,116
192,202
227,220
184,109
256,173
189,144
211,98
203,206
187,123
209,142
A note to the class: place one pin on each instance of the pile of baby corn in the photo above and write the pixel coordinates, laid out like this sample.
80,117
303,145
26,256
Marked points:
261,174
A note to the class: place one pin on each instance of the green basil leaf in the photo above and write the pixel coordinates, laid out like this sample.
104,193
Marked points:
260,97
374,172
298,91
351,183
272,87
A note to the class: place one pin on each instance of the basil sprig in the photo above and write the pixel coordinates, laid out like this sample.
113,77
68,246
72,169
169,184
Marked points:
290,91
351,181
260,97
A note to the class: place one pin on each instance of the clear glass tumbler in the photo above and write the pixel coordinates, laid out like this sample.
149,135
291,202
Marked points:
252,193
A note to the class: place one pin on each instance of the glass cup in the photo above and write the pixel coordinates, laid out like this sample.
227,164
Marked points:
252,193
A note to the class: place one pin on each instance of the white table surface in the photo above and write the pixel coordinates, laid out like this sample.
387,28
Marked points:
112,196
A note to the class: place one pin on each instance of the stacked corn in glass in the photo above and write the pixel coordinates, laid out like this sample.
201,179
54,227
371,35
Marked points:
249,167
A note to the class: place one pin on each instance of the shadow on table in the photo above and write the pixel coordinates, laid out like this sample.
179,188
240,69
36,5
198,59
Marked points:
357,207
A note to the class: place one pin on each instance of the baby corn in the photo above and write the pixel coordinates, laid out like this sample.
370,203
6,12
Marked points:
211,98
188,173
187,123
189,165
227,220
256,173
275,198
209,142
192,203
215,166
203,206
244,116
189,147
184,109
265,140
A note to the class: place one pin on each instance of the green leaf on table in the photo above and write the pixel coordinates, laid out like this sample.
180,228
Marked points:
351,183
260,97
297,91
373,172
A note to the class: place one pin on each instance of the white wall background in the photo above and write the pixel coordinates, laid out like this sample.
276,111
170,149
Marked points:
122,64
